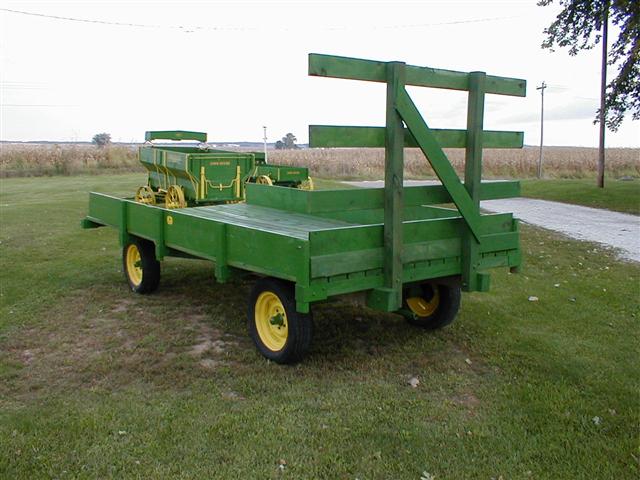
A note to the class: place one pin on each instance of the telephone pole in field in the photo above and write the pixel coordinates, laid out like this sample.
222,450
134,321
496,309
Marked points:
264,139
542,86
603,96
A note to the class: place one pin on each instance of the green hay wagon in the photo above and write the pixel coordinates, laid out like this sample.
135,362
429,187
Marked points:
395,246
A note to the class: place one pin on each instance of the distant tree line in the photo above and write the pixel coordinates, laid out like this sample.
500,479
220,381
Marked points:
288,142
101,139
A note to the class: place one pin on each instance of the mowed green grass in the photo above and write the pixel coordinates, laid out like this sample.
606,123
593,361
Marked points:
96,382
618,195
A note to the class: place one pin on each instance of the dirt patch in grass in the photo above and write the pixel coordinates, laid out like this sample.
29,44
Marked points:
93,342
107,339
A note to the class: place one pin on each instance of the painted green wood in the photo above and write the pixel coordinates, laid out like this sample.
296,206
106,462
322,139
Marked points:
364,237
431,246
104,209
329,136
86,223
350,200
362,260
175,135
375,71
376,215
472,177
393,189
265,219
221,270
439,162
334,242
322,288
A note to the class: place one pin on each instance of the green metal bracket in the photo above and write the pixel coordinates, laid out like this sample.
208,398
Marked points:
175,135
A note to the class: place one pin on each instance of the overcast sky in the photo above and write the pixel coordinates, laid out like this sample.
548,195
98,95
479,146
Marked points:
228,68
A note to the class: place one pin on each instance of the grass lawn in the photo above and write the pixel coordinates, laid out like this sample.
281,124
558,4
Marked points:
621,196
96,382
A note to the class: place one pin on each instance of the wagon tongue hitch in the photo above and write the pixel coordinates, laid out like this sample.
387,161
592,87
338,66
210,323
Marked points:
277,319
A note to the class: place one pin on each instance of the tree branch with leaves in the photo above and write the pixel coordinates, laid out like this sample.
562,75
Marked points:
578,27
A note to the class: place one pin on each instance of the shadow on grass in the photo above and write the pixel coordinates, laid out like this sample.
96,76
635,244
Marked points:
102,337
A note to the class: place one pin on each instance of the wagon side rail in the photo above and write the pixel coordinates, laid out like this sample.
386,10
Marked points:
183,233
405,126
349,259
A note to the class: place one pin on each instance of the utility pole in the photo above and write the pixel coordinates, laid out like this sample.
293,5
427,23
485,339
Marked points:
264,139
542,86
603,94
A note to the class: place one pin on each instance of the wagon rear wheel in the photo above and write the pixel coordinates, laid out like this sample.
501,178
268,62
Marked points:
174,198
141,268
264,180
430,305
279,332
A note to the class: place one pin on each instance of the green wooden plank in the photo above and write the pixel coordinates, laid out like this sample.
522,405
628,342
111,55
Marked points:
175,135
349,250
472,175
105,209
439,162
393,187
284,198
324,202
376,215
500,241
344,67
362,260
265,219
329,136
375,71
501,189
496,223
447,267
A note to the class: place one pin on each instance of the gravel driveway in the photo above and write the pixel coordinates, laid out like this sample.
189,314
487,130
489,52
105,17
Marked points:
618,230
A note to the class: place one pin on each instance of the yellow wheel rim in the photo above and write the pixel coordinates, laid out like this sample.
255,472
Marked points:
271,321
145,194
174,197
264,180
134,265
422,307
306,184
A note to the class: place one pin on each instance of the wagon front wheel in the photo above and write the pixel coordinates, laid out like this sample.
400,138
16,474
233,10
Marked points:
430,305
141,268
279,332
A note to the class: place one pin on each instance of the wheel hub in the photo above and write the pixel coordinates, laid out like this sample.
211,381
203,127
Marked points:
271,321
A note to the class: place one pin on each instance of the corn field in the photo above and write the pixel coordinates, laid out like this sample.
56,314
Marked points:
343,163
558,162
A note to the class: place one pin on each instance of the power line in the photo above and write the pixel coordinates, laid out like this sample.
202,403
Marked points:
33,105
193,28
84,20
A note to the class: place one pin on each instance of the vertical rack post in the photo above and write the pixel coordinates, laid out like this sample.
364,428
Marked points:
393,187
471,279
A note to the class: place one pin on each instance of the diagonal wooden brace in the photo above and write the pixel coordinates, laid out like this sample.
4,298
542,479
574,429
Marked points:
438,160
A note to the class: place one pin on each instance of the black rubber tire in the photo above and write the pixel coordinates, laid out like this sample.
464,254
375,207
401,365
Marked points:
445,312
149,264
300,326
